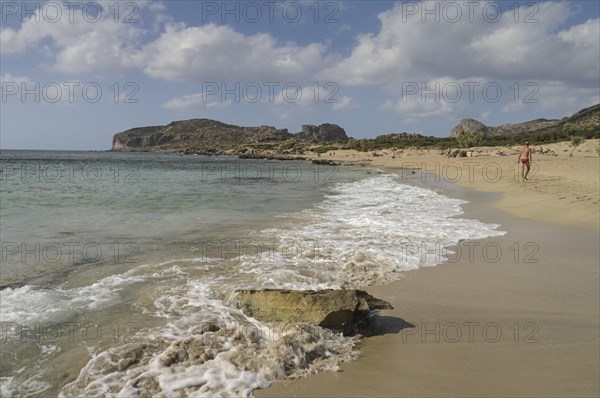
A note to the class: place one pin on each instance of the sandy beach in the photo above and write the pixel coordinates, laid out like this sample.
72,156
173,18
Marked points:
561,189
504,317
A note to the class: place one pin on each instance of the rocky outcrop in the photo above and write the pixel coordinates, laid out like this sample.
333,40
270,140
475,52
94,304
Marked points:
197,135
474,126
323,133
269,157
340,310
205,136
325,162
469,126
587,119
532,125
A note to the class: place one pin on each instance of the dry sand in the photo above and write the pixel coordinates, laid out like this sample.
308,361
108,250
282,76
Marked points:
518,318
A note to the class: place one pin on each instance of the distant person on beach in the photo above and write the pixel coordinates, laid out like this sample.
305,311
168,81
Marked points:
525,160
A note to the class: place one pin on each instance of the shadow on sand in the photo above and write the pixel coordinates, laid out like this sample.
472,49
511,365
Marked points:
382,325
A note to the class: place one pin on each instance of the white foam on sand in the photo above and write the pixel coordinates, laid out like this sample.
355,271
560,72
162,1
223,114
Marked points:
364,233
209,348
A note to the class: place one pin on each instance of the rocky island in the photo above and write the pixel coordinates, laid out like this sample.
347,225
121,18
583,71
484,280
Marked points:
213,137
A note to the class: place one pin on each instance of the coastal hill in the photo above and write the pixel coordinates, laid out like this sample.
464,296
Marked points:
323,133
474,126
196,134
211,136
582,119
586,116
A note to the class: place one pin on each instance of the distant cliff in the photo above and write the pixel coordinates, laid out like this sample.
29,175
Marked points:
211,136
474,126
325,132
200,135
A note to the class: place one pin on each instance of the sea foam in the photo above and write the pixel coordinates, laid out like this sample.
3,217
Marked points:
363,233
366,232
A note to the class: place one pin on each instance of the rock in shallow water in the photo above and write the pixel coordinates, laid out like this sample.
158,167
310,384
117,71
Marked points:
342,310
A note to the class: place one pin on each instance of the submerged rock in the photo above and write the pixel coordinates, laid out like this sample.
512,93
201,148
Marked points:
325,162
340,310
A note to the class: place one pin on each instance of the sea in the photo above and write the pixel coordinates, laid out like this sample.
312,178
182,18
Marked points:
119,270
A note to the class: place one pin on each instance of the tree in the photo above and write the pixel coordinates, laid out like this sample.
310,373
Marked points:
575,142
469,139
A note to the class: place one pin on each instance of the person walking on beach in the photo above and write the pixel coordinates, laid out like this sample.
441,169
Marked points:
525,160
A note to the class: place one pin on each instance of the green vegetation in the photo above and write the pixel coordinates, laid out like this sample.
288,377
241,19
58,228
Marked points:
468,140
576,129
576,140
558,133
399,142
546,136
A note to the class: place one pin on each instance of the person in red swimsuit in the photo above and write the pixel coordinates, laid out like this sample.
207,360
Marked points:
525,160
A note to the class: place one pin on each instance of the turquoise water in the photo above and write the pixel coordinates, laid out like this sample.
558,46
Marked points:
118,270
61,210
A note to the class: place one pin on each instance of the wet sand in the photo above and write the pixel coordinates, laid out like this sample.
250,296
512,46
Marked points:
520,317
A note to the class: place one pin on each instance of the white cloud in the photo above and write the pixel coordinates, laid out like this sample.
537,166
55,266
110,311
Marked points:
8,78
10,43
26,90
565,99
219,53
345,102
415,108
344,28
296,95
77,45
10,86
193,102
443,95
102,51
563,62
190,54
513,107
406,48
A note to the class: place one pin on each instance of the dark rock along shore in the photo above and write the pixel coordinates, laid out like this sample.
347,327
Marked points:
340,310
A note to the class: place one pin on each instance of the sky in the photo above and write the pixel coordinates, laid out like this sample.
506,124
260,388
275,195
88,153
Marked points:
75,73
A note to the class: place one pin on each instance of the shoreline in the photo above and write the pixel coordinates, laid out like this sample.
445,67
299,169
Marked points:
561,189
524,323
